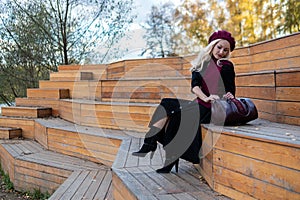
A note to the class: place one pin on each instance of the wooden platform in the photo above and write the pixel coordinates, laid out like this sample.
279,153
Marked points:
71,173
31,167
135,177
262,154
29,112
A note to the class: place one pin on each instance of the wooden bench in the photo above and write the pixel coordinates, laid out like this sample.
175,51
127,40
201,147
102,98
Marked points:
31,167
254,161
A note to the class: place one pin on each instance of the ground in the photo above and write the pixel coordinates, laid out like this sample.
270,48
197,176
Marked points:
6,194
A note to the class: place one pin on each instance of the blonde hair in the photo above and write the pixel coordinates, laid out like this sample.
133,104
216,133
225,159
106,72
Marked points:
205,56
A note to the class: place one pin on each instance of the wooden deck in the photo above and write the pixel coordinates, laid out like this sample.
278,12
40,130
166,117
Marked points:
136,178
32,166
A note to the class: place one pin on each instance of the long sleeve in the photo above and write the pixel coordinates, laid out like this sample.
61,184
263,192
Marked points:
196,79
228,76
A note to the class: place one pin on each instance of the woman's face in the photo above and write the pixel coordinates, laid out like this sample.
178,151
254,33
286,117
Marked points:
221,49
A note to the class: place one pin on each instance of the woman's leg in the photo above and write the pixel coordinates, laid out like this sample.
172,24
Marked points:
157,125
180,134
155,132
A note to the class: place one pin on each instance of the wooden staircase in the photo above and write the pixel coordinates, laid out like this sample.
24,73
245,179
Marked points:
80,127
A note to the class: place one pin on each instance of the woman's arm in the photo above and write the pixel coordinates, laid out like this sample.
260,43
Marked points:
228,77
199,93
196,88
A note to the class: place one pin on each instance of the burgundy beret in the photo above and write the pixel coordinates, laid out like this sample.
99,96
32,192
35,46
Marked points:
223,35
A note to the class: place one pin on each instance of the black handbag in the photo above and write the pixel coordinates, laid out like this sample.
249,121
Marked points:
235,111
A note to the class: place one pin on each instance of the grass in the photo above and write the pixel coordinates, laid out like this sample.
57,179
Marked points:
35,195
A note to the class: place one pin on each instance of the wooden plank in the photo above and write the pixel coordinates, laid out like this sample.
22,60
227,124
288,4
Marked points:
134,186
260,150
288,79
288,94
40,134
244,184
268,106
86,67
267,93
143,174
68,194
288,108
9,133
283,63
263,79
27,125
53,103
122,154
104,145
29,112
48,93
285,41
81,191
120,189
232,193
280,176
288,120
30,182
40,175
65,186
132,161
7,162
92,189
106,183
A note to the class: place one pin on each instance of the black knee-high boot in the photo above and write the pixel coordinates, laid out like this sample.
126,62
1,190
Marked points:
150,142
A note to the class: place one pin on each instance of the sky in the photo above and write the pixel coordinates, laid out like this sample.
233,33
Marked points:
143,7
135,44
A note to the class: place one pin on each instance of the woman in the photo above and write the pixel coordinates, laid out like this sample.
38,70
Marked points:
176,122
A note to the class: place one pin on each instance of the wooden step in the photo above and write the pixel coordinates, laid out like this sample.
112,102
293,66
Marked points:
86,185
274,54
77,89
113,115
32,167
261,154
135,177
71,76
99,71
48,93
35,102
146,67
30,112
146,90
9,132
90,143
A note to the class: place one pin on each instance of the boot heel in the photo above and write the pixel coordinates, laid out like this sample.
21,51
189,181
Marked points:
169,167
176,165
151,155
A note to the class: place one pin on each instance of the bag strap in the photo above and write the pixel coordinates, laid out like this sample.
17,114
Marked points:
239,106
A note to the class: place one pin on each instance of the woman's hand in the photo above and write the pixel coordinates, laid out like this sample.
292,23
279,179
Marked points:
228,95
212,97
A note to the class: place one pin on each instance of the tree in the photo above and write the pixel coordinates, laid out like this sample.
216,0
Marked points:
291,16
249,21
160,31
38,35
192,17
